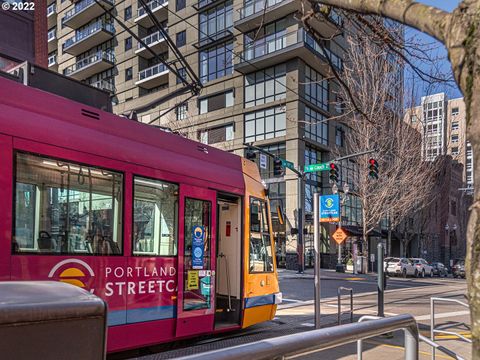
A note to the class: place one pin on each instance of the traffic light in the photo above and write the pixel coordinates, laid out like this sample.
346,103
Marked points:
373,169
251,155
333,173
277,167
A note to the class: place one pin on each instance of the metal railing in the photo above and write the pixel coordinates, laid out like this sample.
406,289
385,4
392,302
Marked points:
321,339
434,331
98,56
281,40
339,302
104,85
152,5
151,71
426,340
88,31
152,38
256,6
51,9
80,6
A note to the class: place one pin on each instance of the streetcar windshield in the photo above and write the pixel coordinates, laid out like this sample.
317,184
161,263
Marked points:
261,259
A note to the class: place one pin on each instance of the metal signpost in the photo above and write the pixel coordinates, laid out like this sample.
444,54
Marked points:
317,245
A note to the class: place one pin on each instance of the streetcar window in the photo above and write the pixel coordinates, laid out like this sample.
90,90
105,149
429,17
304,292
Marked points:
261,259
66,208
155,216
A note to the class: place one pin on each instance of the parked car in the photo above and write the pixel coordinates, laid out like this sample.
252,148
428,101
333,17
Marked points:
422,267
439,269
458,270
400,267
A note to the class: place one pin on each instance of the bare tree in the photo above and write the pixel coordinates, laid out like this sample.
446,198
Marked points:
375,121
459,31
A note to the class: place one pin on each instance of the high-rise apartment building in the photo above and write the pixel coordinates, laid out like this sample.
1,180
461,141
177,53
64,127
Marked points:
442,123
263,86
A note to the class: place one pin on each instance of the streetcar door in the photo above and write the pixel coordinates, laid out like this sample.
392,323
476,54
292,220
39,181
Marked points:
196,261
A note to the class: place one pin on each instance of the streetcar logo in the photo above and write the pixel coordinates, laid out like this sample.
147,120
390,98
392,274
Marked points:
75,275
328,203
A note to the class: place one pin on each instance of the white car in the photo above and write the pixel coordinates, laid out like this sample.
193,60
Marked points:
422,266
400,267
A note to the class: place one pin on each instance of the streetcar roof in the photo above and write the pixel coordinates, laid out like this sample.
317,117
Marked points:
36,115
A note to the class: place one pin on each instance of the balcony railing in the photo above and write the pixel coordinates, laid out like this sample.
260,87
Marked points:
152,5
99,56
256,6
104,85
79,7
152,38
51,9
280,41
52,34
52,60
85,33
151,71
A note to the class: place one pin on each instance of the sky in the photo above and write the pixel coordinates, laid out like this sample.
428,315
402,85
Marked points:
440,51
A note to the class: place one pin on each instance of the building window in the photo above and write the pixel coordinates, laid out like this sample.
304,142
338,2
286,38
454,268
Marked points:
216,102
217,135
455,125
413,119
265,86
455,111
66,208
316,88
316,126
183,73
128,43
128,74
181,38
216,19
270,38
339,136
453,208
265,124
180,5
182,111
454,139
127,13
216,62
455,150
155,217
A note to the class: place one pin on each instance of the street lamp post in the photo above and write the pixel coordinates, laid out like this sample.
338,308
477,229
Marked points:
343,199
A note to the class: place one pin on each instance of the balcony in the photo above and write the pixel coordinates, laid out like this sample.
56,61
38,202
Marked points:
52,40
155,41
90,65
104,85
85,11
153,76
52,61
284,47
88,38
51,15
158,9
253,12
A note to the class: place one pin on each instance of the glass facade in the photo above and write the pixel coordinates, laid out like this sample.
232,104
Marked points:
216,20
316,88
216,62
265,86
316,126
265,124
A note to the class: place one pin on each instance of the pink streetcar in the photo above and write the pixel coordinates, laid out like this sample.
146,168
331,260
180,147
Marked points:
174,235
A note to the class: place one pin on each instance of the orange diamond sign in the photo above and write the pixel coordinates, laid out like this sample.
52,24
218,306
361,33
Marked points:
339,236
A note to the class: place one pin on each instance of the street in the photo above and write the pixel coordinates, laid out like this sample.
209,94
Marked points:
296,314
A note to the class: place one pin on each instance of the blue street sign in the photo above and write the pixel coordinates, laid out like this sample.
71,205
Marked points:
198,236
329,208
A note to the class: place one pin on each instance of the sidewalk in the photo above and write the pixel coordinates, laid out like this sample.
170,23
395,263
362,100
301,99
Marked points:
325,274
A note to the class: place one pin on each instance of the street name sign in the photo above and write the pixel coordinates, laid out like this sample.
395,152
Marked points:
287,164
339,236
329,208
316,167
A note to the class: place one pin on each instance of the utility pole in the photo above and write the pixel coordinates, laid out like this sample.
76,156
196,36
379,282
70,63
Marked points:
317,245
380,280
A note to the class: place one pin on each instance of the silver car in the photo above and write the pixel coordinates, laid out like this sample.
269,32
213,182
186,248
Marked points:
423,267
400,267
